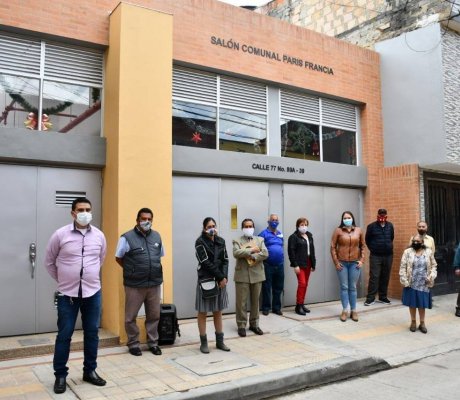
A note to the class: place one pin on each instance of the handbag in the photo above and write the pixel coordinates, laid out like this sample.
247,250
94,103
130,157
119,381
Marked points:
209,288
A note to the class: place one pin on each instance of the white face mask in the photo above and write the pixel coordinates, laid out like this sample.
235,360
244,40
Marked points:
84,218
248,232
303,229
145,225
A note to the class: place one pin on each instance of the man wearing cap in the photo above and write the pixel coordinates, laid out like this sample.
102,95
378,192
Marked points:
379,240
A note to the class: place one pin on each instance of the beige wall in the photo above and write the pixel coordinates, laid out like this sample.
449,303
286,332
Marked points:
137,122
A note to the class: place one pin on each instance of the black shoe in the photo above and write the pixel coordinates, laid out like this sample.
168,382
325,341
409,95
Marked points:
60,385
384,301
369,302
457,312
242,332
278,312
307,310
155,350
135,351
256,330
299,310
93,378
265,312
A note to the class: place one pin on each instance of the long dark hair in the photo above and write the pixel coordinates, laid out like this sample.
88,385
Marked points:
206,220
352,219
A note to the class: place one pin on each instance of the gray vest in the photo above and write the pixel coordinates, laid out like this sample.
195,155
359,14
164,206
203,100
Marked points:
142,263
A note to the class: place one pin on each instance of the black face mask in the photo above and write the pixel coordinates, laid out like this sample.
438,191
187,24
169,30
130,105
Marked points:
416,246
421,232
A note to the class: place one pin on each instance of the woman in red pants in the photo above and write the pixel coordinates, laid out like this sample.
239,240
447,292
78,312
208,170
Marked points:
301,252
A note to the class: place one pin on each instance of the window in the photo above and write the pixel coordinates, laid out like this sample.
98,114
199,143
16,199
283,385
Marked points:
339,146
194,125
318,129
300,140
242,131
49,87
218,112
225,113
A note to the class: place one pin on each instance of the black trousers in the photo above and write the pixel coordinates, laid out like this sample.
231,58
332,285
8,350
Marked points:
379,276
458,299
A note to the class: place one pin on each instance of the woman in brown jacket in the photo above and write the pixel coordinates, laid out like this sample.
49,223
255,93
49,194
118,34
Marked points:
347,251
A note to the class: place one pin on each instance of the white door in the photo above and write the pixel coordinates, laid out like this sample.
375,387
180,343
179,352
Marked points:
323,208
32,202
240,200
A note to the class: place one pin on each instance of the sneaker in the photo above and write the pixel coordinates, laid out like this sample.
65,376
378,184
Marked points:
384,301
369,302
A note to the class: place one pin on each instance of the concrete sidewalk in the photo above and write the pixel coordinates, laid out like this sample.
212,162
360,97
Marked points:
295,352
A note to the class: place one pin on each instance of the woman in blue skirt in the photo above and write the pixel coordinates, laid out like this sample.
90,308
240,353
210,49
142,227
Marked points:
417,273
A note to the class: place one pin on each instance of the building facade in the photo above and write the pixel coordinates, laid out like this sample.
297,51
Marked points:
194,109
418,43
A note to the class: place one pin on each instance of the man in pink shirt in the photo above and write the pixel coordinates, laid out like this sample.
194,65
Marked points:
74,257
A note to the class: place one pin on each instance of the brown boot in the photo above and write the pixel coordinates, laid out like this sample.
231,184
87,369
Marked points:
343,316
354,316
413,326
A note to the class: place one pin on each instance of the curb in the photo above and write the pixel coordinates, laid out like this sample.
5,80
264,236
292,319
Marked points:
282,382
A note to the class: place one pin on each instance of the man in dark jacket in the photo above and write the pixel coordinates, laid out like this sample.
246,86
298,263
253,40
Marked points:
139,253
379,240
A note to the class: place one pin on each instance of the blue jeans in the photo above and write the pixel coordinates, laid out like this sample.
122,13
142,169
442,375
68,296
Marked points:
272,287
68,307
348,278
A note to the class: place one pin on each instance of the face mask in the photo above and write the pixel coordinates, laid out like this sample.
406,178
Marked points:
211,231
302,229
347,222
416,246
248,232
273,224
145,225
421,231
84,218
381,218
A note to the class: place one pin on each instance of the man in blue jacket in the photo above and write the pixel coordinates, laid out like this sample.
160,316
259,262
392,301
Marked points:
379,240
457,273
273,286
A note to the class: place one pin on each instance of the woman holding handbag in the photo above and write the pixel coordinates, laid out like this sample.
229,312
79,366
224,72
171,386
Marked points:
211,292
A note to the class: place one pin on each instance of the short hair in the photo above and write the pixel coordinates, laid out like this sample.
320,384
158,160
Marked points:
206,220
382,211
352,219
247,220
301,220
79,200
144,210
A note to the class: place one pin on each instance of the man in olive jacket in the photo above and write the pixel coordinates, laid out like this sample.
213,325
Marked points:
249,251
139,253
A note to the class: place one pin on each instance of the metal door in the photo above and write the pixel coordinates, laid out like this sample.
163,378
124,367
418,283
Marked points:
31,213
19,230
239,200
53,185
193,200
320,206
443,218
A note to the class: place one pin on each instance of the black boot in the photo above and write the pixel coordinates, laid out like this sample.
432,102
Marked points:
220,342
307,310
457,312
204,344
299,310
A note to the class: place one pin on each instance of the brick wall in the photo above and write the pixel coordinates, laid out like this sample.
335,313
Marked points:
399,194
356,70
361,22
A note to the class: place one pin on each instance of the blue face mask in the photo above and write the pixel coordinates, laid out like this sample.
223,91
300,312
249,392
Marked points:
273,224
347,222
